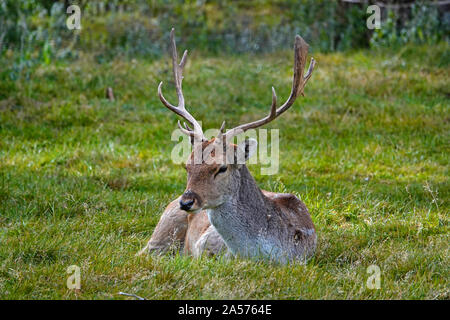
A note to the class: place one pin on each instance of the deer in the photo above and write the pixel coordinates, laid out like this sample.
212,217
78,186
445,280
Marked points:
222,209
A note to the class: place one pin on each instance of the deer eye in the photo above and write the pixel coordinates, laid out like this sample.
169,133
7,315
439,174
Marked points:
221,170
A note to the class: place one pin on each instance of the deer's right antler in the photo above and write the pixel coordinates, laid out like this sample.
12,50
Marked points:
196,132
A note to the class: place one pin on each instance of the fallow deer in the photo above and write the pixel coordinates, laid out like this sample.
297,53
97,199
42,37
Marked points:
222,207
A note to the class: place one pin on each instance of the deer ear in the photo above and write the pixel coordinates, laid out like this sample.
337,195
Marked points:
246,150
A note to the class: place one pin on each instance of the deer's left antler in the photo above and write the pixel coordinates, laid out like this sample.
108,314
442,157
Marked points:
298,84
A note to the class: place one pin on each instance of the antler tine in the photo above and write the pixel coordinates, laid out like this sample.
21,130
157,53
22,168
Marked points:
178,77
308,75
298,84
183,60
177,69
186,131
220,135
187,127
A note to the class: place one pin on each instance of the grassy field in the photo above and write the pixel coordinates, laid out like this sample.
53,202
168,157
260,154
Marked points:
83,180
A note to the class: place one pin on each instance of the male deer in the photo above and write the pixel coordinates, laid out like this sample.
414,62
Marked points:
222,206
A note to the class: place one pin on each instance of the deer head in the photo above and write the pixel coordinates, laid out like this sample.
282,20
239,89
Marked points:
214,167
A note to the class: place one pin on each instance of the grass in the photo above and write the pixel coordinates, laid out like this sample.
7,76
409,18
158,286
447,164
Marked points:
83,180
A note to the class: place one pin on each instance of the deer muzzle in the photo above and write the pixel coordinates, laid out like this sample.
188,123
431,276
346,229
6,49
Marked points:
190,201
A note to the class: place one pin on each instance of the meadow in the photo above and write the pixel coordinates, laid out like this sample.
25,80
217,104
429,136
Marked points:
84,180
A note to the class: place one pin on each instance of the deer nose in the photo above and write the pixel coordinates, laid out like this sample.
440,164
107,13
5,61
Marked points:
186,205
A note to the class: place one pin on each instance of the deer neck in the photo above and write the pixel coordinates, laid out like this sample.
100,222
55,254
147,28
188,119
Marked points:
242,216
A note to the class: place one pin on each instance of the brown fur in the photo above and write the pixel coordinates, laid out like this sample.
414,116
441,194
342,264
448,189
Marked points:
188,228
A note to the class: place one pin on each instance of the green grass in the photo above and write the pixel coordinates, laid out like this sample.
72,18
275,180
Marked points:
83,180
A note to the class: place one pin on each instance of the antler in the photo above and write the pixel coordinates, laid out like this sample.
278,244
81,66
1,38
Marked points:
298,84
196,132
